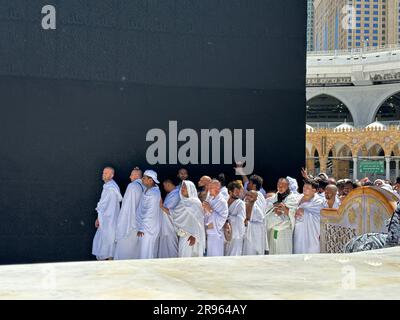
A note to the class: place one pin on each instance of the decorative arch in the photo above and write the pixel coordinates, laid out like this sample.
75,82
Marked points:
371,149
343,149
396,150
384,106
362,142
324,107
340,160
312,160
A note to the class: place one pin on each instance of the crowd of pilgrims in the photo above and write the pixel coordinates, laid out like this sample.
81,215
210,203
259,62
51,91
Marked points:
214,218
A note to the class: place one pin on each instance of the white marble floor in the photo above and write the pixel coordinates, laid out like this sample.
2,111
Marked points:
367,275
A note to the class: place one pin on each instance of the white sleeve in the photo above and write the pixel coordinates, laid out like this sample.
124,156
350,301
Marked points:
105,198
219,214
257,214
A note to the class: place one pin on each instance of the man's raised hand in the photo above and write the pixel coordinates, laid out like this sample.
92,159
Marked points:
304,173
206,206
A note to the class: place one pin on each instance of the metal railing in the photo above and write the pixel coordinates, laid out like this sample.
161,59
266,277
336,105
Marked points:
326,125
354,51
332,125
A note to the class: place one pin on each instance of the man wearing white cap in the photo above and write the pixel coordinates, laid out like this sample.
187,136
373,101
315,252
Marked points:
148,216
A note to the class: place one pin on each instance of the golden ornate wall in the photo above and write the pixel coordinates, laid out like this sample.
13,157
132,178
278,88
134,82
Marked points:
342,145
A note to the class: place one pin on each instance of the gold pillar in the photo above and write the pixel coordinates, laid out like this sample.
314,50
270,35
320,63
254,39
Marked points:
310,166
335,167
323,161
343,169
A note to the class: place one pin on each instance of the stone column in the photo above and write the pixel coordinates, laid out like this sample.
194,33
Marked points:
310,164
387,159
355,168
335,171
323,162
397,167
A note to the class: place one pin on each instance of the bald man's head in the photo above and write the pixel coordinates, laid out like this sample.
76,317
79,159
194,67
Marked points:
204,181
251,196
215,182
108,174
214,187
136,174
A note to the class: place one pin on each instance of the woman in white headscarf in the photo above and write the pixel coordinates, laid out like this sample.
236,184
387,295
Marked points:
188,218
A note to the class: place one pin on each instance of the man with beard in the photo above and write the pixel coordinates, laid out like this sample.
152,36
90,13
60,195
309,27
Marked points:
252,182
280,219
331,199
255,237
348,187
255,183
340,186
183,175
236,217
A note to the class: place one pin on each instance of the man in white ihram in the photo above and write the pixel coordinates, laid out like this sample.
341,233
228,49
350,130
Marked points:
168,240
280,220
107,214
308,216
148,216
216,214
236,218
255,241
126,233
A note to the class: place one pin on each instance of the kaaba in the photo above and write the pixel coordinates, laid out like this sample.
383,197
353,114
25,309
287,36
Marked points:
86,94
